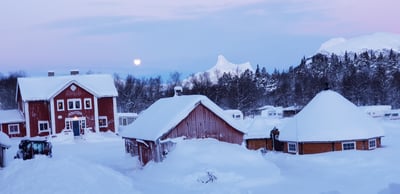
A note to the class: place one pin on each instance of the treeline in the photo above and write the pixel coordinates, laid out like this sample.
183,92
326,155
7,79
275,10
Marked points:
369,78
8,86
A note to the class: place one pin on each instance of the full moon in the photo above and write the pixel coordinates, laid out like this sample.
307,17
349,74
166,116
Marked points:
137,62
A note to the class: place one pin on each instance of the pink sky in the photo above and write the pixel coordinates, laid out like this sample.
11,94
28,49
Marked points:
179,35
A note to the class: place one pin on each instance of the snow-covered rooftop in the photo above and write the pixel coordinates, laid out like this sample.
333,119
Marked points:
11,116
261,127
166,113
43,88
330,117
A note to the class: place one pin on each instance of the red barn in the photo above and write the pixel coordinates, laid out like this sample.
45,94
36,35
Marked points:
193,116
75,103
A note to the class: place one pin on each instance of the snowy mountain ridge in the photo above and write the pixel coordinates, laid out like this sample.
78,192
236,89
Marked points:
377,41
222,66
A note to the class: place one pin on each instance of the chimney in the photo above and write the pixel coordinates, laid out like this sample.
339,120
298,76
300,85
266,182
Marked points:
178,91
74,72
50,73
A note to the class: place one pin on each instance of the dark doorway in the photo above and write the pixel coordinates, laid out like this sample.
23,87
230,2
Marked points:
75,128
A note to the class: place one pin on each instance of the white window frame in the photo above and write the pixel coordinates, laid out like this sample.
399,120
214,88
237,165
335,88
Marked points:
63,105
67,124
291,144
74,101
43,122
106,121
13,132
349,142
90,103
369,144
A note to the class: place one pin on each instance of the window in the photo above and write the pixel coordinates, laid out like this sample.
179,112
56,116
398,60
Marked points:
83,124
372,144
292,147
88,103
103,121
43,126
13,129
349,145
74,104
60,105
67,124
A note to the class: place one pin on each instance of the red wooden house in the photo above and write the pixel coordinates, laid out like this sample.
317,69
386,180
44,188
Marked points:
75,103
330,122
12,123
151,136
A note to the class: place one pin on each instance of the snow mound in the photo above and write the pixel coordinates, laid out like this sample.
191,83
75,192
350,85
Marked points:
207,165
376,41
67,175
4,139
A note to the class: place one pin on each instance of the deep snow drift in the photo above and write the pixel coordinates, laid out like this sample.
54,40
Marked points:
100,165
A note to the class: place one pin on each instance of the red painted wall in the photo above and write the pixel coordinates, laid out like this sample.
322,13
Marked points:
106,108
78,93
22,129
321,147
38,111
203,123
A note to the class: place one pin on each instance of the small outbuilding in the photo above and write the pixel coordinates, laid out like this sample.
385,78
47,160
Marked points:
261,134
330,122
4,144
151,136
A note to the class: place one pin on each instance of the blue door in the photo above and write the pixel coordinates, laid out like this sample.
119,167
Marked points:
75,128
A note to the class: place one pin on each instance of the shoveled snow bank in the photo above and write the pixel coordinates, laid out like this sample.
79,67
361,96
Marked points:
4,139
62,175
209,166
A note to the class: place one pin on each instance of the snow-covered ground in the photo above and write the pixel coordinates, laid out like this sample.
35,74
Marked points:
100,165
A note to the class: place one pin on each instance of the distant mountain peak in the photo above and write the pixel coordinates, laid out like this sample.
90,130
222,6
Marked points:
375,41
224,66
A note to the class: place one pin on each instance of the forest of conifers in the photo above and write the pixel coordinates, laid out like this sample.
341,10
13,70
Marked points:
368,78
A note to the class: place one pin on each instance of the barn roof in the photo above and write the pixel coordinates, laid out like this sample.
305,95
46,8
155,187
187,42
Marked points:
330,117
43,88
11,116
166,113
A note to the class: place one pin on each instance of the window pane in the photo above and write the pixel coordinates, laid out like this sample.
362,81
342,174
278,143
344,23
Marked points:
77,104
70,105
60,105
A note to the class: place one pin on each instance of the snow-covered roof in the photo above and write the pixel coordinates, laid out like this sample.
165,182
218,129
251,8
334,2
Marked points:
166,113
43,88
4,140
261,127
127,114
330,117
11,116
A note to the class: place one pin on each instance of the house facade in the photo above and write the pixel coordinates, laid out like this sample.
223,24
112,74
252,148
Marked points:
153,135
12,123
76,103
